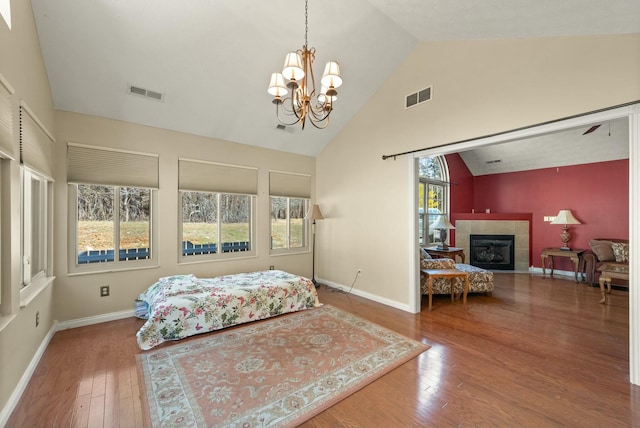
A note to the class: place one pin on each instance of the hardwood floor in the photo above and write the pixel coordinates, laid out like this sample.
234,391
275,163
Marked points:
537,353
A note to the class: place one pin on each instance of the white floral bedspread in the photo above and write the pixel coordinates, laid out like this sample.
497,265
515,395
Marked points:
183,305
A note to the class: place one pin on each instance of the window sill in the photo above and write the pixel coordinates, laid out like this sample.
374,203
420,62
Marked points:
6,320
31,291
289,252
101,271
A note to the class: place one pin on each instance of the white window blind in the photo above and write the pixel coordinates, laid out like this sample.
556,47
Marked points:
202,176
6,118
111,167
289,184
36,143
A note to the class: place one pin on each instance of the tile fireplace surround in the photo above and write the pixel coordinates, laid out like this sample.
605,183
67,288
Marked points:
518,228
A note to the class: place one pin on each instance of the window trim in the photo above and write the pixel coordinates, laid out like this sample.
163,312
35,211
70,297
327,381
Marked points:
26,177
218,256
73,268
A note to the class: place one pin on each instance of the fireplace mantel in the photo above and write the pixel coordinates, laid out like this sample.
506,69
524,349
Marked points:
492,216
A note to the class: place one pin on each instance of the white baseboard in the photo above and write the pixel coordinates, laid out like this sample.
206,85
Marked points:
81,322
556,272
388,302
57,326
26,377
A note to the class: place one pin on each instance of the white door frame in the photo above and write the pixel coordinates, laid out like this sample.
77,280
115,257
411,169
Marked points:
632,112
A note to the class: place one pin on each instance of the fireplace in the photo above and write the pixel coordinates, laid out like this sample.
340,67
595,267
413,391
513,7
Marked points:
494,252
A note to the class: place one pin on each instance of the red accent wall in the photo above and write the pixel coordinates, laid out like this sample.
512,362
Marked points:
597,194
461,189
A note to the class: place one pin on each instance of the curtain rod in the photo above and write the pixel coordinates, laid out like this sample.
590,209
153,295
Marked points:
385,157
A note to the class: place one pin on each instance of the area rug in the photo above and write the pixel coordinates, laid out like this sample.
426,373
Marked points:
277,372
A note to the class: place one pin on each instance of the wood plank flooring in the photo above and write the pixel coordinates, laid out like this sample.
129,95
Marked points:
537,353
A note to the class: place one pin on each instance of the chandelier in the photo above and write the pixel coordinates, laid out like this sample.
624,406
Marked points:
304,102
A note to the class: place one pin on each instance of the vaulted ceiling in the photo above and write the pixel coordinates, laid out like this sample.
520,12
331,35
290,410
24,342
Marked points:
211,59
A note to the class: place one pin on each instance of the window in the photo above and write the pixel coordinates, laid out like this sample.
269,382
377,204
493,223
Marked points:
433,191
6,152
35,224
288,231
290,198
218,214
216,223
112,206
110,218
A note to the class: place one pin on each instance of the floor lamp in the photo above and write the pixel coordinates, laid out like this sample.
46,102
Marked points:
314,214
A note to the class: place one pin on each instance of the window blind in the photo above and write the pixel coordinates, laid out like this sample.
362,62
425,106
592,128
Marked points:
289,184
36,143
111,167
6,118
202,176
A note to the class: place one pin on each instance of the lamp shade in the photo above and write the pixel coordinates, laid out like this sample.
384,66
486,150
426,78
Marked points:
331,77
565,217
292,69
442,223
323,97
314,214
277,87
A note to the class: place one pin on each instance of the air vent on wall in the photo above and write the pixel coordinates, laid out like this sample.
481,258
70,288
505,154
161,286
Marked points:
147,93
418,97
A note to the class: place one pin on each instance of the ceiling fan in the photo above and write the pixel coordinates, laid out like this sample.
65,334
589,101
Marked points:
590,130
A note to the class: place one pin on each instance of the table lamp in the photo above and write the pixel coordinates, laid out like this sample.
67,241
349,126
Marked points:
443,225
565,217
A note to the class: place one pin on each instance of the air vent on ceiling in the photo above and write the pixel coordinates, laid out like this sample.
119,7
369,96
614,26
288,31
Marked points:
494,161
147,93
418,97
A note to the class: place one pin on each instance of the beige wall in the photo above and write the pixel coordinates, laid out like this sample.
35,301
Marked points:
479,88
78,296
21,64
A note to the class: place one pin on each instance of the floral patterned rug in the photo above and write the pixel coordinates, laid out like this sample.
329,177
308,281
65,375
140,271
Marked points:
277,372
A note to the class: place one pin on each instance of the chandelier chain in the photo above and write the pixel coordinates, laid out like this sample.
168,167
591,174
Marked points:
306,22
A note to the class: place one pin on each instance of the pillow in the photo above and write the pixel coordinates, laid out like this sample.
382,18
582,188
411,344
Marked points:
424,255
621,252
602,249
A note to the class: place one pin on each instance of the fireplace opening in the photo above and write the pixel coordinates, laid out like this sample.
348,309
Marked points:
492,251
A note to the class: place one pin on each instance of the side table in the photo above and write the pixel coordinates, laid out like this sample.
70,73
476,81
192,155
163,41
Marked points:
608,272
447,273
450,252
574,255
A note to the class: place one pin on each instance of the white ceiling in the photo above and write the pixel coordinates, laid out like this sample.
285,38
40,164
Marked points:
212,58
610,141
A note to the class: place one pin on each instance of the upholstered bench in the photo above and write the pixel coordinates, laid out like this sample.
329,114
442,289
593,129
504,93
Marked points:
480,280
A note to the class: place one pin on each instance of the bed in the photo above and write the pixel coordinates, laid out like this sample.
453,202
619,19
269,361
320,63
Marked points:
184,305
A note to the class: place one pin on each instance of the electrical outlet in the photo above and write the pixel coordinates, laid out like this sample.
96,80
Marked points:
104,291
271,267
359,273
37,318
